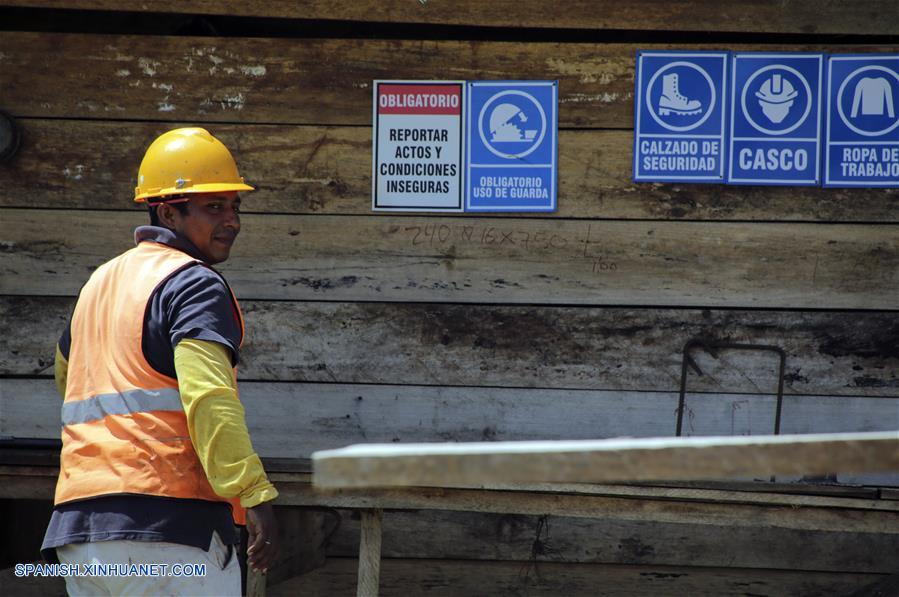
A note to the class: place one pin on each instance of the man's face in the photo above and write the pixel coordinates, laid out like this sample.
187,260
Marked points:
212,223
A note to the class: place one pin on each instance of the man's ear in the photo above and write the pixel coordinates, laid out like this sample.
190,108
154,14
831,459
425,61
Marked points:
166,214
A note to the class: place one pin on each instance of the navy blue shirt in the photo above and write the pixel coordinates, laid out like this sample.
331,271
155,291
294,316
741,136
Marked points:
193,303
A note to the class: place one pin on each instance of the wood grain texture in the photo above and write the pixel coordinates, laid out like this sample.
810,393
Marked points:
756,16
295,420
453,578
295,472
509,537
369,554
596,461
482,260
301,81
637,504
831,519
619,349
327,170
32,586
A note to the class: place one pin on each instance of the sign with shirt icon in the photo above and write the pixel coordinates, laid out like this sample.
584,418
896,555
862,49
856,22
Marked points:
862,147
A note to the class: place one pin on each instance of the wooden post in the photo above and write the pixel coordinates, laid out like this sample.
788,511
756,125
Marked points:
255,583
369,554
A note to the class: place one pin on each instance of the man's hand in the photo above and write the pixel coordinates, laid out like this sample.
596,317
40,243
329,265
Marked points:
263,543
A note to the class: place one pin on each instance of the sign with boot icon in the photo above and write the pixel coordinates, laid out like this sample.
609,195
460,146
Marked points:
680,116
673,101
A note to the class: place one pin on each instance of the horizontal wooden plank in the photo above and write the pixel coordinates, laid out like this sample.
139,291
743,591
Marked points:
592,461
335,415
828,353
287,80
508,537
634,504
609,508
453,578
756,16
26,487
299,81
293,472
32,586
483,260
327,170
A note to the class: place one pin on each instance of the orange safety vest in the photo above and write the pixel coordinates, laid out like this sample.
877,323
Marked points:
124,428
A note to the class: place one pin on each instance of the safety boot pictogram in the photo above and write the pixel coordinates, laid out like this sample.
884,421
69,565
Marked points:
673,101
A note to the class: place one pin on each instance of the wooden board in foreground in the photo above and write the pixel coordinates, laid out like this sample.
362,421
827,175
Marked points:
451,464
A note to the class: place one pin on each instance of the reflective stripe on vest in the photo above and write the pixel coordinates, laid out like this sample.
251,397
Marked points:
124,427
124,403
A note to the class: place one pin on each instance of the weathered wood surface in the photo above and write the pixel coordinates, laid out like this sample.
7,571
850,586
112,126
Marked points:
799,534
454,578
327,170
256,582
294,420
295,473
624,503
706,264
509,537
621,349
873,17
17,483
592,461
301,81
32,586
369,554
885,587
22,526
633,509
302,533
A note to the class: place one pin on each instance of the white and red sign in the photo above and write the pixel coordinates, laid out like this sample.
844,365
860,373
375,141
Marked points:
417,146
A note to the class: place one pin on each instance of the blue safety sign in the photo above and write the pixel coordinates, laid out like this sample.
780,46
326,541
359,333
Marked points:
512,146
680,110
862,148
776,119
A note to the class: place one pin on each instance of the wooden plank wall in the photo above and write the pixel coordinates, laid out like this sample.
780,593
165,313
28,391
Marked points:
383,327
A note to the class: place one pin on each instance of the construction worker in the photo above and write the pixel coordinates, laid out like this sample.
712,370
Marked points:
156,459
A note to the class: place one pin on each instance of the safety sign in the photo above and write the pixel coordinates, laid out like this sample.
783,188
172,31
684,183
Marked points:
862,146
417,146
512,137
775,122
680,109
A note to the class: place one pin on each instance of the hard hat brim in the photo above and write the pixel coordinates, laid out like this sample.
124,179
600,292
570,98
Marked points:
776,99
219,187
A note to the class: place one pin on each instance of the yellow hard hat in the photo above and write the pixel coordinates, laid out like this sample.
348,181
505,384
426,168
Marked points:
185,161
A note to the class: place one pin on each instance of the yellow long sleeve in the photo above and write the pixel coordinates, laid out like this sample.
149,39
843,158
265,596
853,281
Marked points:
215,420
60,372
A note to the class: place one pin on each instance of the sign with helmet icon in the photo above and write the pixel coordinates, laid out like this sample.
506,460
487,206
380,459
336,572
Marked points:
786,118
511,161
776,119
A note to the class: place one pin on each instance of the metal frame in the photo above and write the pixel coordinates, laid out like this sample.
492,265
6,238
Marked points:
713,347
